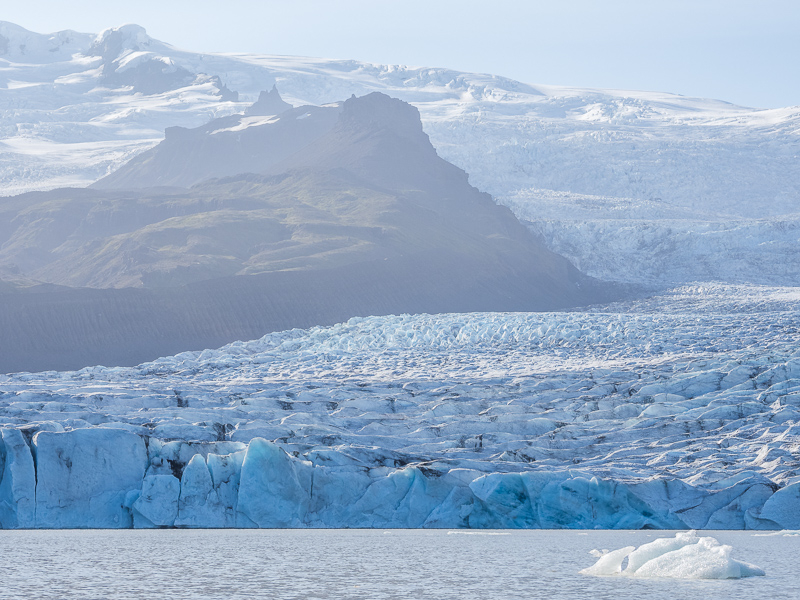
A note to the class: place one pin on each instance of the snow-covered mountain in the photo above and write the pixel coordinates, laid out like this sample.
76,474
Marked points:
632,186
679,411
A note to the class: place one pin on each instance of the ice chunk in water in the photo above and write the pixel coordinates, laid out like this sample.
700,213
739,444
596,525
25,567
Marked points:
648,552
610,563
685,556
706,559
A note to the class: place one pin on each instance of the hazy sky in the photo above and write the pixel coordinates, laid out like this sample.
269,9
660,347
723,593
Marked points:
743,51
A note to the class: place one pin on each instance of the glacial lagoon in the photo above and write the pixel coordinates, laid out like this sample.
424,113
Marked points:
364,564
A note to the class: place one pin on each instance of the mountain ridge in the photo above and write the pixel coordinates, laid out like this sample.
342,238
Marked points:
542,150
365,219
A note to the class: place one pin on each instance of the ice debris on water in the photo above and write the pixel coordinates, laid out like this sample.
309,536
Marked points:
686,556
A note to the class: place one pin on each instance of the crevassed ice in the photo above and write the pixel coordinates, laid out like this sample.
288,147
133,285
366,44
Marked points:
677,411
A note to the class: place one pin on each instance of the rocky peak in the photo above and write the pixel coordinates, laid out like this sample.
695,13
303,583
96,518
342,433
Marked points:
268,103
377,111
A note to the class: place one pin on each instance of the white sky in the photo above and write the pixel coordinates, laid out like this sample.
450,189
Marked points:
743,51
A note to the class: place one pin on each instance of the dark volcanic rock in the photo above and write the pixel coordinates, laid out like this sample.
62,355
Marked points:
268,103
221,148
350,213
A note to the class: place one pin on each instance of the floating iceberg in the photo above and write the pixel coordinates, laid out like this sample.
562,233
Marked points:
685,556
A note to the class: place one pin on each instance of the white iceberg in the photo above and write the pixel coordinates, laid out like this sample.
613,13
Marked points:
685,556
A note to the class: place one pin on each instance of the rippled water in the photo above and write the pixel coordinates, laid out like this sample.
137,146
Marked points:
369,564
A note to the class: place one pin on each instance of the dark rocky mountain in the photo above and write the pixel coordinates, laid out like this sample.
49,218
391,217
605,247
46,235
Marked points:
268,103
248,143
348,212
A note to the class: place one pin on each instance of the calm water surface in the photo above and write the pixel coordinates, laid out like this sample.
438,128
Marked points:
342,564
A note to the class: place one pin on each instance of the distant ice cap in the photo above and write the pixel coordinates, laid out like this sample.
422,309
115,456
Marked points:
114,41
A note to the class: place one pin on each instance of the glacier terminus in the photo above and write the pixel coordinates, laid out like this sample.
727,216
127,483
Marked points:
156,201
678,411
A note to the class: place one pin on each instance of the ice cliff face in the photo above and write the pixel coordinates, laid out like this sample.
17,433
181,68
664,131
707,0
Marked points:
679,411
647,162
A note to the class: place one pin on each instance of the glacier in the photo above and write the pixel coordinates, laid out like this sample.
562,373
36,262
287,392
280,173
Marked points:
679,410
643,187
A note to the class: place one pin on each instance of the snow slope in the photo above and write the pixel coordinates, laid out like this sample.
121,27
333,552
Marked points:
654,166
681,410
